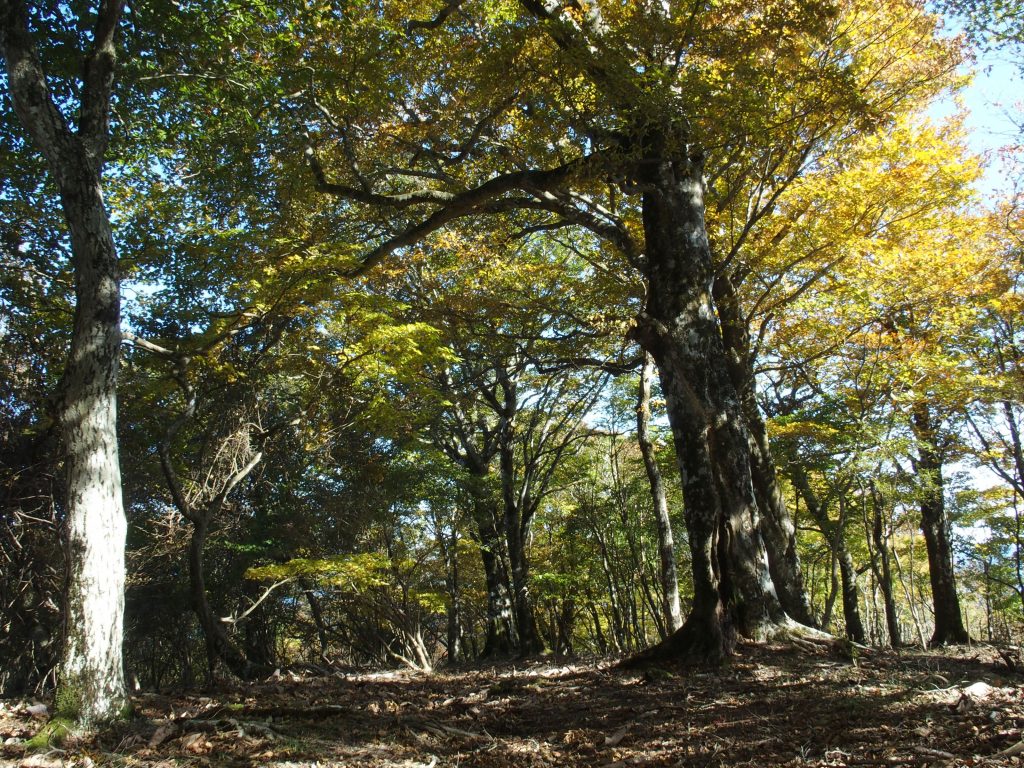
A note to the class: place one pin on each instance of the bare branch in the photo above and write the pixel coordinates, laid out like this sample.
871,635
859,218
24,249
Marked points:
449,8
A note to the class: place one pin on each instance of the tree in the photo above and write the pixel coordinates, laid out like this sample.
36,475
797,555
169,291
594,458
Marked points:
91,687
666,544
638,104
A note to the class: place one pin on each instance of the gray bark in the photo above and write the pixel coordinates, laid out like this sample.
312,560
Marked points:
91,684
733,589
777,526
949,626
883,568
666,544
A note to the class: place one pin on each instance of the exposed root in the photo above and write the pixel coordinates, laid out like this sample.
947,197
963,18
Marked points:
699,642
703,643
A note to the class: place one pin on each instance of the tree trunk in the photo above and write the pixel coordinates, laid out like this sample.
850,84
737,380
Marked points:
851,592
454,628
220,651
884,574
835,533
91,685
733,589
949,626
517,526
666,545
502,639
316,612
777,526
566,624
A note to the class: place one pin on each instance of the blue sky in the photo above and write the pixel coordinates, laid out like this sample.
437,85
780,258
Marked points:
996,94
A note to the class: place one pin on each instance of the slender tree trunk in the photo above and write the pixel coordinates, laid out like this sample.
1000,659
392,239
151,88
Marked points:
566,624
777,528
454,629
220,651
733,589
318,619
851,593
848,574
91,685
834,588
908,592
618,618
602,643
884,574
949,626
835,533
666,545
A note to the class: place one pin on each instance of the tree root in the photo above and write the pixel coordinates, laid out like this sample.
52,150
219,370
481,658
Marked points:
702,643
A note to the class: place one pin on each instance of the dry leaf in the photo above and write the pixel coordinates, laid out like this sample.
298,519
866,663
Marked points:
162,734
615,738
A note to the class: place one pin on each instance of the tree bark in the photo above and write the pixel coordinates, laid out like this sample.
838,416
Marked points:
518,519
502,639
454,628
851,593
777,526
834,532
220,651
733,589
666,545
949,626
91,685
884,573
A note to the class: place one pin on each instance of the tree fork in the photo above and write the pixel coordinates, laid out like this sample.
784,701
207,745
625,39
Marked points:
91,685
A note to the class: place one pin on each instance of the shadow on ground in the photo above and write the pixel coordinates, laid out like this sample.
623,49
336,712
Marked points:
772,706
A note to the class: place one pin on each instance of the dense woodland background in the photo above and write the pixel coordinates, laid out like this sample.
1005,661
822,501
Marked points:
385,388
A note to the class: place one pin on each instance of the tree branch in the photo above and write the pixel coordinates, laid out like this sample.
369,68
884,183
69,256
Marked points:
30,94
98,82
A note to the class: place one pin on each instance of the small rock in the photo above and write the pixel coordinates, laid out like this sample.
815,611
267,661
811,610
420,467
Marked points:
978,691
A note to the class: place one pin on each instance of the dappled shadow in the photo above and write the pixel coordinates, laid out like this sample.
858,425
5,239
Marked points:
770,706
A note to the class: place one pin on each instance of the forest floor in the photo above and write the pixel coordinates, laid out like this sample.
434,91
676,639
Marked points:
771,706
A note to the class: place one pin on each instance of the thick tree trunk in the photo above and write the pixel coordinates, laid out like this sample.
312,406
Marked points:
91,684
666,544
777,526
517,527
530,641
851,592
502,639
949,626
733,589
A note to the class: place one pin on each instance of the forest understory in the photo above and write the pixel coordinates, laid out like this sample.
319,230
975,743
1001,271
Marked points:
771,705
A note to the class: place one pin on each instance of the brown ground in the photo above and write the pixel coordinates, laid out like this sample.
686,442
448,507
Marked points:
771,706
